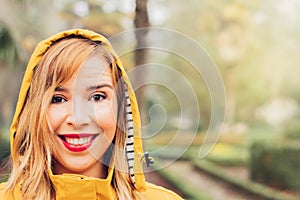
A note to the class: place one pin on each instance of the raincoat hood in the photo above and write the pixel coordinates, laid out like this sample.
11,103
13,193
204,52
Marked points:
134,140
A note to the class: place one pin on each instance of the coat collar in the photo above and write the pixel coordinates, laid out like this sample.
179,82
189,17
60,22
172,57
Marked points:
74,186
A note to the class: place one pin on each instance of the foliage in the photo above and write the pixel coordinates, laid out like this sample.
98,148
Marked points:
181,139
276,163
4,151
8,48
293,130
176,138
262,132
221,154
266,63
225,154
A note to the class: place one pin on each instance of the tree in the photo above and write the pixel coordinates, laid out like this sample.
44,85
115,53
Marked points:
141,21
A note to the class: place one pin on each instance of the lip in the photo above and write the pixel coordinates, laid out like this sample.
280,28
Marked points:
78,142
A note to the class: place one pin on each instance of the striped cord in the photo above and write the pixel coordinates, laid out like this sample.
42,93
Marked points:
130,135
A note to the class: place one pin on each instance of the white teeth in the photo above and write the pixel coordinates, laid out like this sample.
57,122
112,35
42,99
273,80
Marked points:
78,141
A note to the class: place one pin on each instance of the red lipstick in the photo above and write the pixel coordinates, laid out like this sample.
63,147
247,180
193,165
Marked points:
78,142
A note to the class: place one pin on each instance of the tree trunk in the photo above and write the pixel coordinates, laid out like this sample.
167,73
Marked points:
141,21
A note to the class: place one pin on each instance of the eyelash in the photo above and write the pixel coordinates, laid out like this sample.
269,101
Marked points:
56,99
99,97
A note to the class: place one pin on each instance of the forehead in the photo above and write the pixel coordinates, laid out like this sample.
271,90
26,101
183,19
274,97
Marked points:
94,68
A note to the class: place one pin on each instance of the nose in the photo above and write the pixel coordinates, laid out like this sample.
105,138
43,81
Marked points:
79,114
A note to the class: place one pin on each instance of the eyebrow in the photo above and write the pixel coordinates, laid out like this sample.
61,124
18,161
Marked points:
90,88
61,89
100,86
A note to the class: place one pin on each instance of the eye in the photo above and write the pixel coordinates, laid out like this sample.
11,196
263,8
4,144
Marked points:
58,99
98,97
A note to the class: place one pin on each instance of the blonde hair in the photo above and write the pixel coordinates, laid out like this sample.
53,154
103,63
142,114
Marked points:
56,67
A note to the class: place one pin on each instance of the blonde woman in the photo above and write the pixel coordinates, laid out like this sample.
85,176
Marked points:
76,129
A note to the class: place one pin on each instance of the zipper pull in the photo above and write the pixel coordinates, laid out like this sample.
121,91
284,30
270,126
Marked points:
148,159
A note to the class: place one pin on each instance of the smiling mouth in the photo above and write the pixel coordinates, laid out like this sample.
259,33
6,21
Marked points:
77,142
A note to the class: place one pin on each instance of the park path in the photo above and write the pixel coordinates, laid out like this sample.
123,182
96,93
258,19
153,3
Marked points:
216,189
205,183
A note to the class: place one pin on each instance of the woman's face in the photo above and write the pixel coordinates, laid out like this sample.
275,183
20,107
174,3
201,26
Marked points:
83,115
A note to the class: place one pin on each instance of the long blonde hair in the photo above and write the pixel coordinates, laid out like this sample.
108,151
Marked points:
56,67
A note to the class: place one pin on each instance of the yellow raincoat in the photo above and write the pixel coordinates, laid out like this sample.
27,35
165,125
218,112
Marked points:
74,186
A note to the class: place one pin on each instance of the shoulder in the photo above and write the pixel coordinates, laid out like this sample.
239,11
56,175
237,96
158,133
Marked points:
7,195
2,190
158,192
2,187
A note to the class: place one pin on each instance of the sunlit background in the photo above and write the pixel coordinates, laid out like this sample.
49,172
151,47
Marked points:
255,47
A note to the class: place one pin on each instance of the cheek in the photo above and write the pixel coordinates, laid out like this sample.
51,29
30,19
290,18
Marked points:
55,116
106,118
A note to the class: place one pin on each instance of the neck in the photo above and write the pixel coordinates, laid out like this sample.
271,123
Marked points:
98,171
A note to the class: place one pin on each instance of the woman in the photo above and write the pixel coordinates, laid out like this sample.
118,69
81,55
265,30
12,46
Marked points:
76,129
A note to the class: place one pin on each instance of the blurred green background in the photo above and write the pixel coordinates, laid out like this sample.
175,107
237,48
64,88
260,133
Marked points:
254,44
